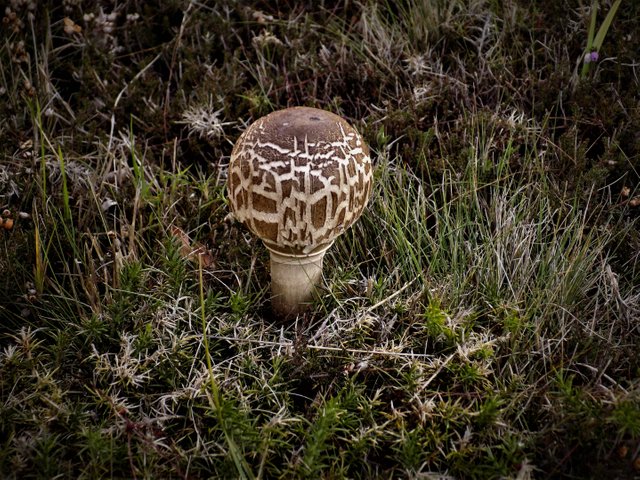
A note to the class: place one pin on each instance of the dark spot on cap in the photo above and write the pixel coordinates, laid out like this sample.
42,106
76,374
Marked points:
319,213
263,204
265,230
314,118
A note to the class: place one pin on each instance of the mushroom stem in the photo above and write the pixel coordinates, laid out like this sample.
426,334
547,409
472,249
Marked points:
294,279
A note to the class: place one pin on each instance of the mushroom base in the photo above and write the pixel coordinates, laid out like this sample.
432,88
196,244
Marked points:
294,279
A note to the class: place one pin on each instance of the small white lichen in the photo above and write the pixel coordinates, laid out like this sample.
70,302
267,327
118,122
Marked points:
204,121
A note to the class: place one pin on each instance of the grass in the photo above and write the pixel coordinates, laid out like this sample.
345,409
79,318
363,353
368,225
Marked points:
479,321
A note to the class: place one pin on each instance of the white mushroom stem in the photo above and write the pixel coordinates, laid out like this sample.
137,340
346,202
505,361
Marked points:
294,279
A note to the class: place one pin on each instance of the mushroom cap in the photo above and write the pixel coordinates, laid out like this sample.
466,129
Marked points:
298,178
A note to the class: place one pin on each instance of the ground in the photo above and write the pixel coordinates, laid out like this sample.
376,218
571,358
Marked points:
481,320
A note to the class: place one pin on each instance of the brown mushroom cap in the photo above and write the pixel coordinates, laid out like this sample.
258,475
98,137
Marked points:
298,178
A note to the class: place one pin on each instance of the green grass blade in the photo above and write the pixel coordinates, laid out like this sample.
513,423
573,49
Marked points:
592,25
65,189
244,471
602,31
592,28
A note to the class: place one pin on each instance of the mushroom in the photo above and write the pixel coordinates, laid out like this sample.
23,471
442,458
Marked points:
298,178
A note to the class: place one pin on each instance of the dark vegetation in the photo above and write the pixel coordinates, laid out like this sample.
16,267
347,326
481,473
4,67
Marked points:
481,321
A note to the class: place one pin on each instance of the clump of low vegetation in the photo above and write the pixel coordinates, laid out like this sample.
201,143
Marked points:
482,320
